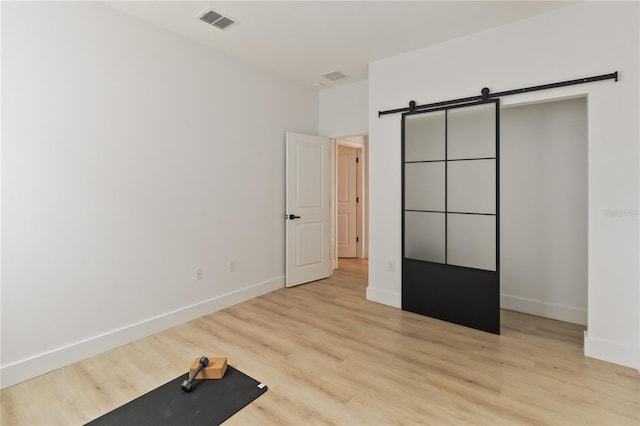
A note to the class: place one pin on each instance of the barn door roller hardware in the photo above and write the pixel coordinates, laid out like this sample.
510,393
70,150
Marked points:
485,94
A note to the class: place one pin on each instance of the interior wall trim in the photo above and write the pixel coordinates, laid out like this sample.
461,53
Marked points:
386,297
541,308
31,367
609,351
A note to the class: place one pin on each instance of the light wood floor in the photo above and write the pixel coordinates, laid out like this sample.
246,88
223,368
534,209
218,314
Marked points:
331,357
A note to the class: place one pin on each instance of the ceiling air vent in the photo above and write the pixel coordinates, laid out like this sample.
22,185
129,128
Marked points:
335,75
216,19
223,23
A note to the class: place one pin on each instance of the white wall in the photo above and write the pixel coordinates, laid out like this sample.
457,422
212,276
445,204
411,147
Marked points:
130,157
543,209
586,39
344,110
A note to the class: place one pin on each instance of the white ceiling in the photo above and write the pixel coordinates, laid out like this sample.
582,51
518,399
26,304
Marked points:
302,40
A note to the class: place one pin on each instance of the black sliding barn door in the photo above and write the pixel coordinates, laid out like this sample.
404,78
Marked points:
450,224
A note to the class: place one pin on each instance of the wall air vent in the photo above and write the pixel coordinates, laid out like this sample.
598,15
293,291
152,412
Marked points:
335,75
216,19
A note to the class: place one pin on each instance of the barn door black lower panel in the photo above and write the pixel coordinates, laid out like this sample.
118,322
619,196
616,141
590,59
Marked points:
464,296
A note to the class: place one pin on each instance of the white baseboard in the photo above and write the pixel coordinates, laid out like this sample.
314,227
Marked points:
385,297
514,303
45,362
544,309
611,352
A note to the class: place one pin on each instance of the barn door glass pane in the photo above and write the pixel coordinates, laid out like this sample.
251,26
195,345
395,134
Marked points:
471,186
424,137
471,241
471,132
424,186
425,236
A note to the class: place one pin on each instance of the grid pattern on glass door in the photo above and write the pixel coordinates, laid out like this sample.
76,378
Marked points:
450,186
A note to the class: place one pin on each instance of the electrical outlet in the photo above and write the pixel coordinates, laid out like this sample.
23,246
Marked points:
231,265
197,274
391,266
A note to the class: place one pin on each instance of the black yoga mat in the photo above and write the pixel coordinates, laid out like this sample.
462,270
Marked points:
211,402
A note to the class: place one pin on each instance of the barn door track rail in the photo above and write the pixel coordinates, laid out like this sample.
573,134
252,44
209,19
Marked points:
486,94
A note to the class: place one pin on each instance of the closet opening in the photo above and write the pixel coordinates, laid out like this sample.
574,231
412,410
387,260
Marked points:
544,220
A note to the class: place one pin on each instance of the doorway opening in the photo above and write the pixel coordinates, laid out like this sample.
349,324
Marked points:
544,177
350,199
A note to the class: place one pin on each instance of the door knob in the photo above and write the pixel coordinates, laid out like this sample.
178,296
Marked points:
293,216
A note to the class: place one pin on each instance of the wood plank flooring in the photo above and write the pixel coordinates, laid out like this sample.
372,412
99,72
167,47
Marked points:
329,356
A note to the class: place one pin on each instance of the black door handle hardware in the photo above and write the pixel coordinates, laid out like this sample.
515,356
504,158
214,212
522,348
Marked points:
293,216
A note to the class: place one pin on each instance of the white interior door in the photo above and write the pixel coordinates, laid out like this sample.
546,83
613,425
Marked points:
307,209
346,201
